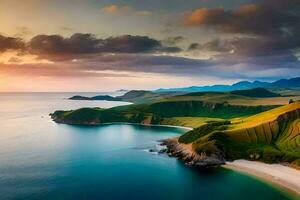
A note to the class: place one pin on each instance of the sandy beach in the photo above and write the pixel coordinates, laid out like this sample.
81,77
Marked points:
280,175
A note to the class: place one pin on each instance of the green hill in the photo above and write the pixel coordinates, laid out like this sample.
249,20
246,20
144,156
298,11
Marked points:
256,92
161,112
271,136
266,133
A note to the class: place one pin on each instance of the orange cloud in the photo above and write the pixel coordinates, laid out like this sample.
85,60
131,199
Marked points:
203,16
215,16
115,9
112,9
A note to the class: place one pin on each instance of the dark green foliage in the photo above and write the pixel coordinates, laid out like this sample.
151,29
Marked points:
208,148
202,131
139,112
271,155
83,115
256,92
232,150
204,109
201,93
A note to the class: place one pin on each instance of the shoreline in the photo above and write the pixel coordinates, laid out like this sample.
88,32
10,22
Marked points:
155,125
128,123
284,177
185,153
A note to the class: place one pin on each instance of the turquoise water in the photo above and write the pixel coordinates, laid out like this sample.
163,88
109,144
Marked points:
40,159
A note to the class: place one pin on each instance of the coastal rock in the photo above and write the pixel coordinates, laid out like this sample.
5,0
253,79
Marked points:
175,149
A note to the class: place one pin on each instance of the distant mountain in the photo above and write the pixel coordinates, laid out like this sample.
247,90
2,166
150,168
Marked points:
135,96
282,83
99,97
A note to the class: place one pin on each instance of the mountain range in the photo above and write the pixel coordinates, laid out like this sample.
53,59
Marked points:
292,83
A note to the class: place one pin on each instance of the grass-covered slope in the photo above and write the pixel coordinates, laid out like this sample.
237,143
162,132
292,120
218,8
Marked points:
253,99
271,136
161,112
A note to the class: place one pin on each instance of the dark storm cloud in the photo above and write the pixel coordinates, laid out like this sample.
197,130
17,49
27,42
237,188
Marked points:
265,17
11,43
269,27
173,40
145,63
87,44
250,46
214,45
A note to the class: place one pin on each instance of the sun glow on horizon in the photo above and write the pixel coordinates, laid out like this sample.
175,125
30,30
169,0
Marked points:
17,57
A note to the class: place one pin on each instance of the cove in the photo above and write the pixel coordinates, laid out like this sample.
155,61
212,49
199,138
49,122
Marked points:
40,159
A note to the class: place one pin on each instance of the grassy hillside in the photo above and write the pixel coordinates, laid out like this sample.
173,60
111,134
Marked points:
162,112
234,99
192,122
267,133
140,96
271,136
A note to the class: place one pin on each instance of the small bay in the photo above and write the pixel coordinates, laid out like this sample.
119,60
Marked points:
40,159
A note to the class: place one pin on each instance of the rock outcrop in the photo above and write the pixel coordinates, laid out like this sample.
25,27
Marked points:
175,149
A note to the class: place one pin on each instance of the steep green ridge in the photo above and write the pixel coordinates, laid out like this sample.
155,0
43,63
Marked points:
256,92
156,113
271,136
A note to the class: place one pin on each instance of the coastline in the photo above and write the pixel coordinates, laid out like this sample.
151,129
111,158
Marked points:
282,176
285,178
128,123
156,125
185,153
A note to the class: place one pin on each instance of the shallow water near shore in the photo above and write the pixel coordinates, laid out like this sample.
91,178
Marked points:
40,159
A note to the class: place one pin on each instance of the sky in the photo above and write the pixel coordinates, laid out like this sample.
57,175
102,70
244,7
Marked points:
105,45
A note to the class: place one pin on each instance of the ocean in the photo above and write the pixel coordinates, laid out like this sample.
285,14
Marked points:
40,159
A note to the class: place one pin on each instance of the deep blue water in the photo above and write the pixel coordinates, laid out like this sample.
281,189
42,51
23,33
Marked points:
40,159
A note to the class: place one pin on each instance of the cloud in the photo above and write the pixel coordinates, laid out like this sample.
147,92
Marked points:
267,28
205,17
112,9
80,44
131,64
262,18
173,40
216,45
11,43
117,10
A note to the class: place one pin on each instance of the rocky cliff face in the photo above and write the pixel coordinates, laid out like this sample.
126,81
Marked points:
175,149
